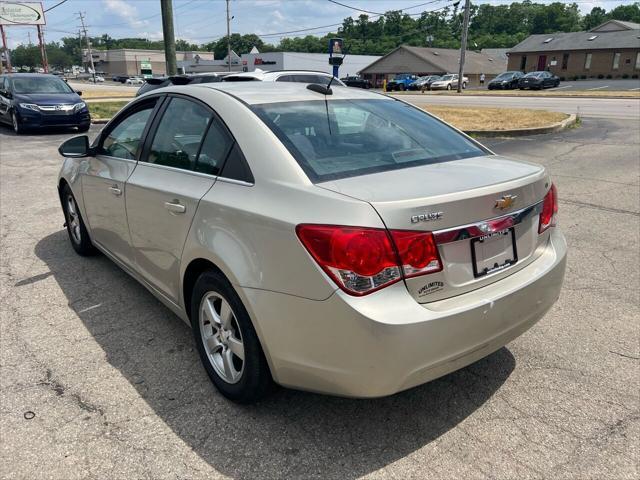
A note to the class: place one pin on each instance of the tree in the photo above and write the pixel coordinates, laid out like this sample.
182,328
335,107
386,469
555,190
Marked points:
597,16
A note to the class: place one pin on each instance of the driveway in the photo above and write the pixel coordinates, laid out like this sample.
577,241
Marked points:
99,380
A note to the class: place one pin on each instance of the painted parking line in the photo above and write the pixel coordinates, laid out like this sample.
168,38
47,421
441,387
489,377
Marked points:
598,88
633,89
564,86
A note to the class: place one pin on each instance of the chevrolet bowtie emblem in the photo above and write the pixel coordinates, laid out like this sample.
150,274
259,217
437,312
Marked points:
505,202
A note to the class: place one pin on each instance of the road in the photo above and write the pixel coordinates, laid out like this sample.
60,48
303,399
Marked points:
616,108
99,380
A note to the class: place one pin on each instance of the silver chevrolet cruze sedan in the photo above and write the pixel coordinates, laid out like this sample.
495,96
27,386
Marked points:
334,241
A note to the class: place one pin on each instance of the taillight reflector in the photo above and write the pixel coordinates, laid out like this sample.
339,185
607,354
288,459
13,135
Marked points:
362,260
549,210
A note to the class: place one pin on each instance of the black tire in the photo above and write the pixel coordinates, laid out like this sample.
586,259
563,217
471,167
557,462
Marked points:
401,88
78,235
18,128
449,86
84,128
464,85
255,379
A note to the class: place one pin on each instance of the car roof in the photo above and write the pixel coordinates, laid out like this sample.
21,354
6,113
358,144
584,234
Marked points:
274,73
29,74
254,93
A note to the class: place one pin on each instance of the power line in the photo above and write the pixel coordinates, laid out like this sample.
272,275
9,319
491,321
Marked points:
354,8
56,5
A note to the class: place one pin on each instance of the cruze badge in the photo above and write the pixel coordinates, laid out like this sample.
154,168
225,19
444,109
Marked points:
505,202
427,217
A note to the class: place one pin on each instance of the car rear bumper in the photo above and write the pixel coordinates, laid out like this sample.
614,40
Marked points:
387,342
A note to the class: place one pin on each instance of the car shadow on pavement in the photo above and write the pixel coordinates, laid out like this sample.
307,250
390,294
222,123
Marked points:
291,433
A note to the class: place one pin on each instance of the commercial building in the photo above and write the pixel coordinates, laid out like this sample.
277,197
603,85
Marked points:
610,50
433,61
269,61
129,61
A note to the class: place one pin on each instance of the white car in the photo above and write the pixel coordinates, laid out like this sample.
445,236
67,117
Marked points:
332,240
96,79
299,76
134,81
449,81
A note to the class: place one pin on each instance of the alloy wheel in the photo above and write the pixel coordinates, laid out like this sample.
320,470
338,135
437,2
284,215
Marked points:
221,337
73,220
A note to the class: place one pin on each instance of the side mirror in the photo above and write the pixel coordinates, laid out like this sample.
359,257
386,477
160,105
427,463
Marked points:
76,147
6,93
79,92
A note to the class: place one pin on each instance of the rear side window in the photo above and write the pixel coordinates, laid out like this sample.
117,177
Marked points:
346,138
179,134
215,149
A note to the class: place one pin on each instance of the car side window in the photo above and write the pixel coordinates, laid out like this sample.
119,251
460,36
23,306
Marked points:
179,134
284,78
214,150
236,166
125,138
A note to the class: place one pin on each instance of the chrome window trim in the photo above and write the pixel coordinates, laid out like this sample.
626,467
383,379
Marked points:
197,174
110,157
463,232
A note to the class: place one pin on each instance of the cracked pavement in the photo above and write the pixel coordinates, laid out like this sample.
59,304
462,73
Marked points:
118,391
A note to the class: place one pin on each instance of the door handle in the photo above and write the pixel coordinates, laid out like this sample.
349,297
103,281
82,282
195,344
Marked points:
175,207
115,190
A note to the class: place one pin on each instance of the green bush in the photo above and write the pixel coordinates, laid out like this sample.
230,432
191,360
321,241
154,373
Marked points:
601,76
583,77
634,76
562,79
625,75
609,76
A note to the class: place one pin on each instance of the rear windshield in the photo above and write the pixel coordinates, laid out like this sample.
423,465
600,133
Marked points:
346,138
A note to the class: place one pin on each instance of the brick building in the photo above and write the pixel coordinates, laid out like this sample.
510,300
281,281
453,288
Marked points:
612,48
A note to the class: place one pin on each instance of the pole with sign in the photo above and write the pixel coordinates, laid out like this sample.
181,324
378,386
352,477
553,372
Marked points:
336,54
23,14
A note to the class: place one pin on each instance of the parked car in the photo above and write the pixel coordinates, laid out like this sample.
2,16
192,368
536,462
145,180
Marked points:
357,82
538,81
505,81
33,100
120,78
134,81
401,82
298,76
346,243
96,79
190,79
424,83
449,81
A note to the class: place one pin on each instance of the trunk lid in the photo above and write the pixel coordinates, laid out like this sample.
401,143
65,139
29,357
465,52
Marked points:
483,195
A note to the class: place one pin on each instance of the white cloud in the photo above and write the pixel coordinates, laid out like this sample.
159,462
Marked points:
125,11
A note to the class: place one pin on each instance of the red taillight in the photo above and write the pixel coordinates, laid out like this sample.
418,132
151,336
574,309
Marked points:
417,251
549,210
362,260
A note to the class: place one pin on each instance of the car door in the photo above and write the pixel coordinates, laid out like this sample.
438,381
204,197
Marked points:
179,165
5,101
104,176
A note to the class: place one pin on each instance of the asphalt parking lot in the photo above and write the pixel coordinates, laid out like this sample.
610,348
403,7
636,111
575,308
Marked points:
99,380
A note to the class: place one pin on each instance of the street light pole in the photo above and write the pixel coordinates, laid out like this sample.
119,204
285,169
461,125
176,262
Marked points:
228,37
463,43
169,37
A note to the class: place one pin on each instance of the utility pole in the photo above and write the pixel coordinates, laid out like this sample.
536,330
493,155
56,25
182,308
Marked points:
5,46
228,37
463,43
29,35
169,36
86,37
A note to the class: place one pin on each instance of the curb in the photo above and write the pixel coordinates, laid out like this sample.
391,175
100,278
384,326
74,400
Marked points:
520,132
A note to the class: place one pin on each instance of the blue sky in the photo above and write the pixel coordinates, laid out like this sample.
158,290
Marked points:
201,21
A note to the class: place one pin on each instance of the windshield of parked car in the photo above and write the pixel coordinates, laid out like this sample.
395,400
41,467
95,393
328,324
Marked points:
38,84
447,77
504,76
533,74
346,138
